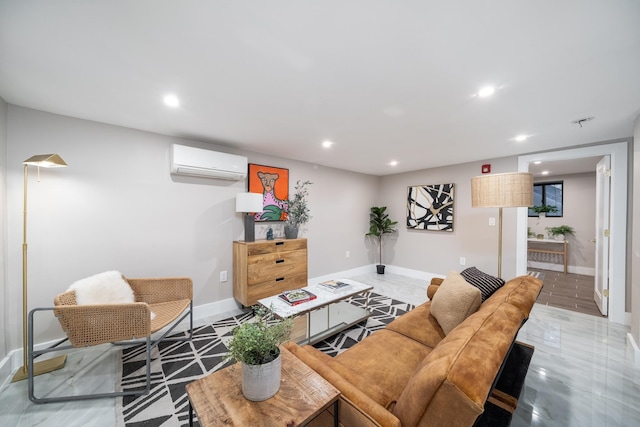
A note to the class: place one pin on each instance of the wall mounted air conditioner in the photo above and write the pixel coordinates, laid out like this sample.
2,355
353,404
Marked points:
192,161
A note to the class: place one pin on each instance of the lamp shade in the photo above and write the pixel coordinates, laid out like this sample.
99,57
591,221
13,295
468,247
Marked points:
502,190
46,161
249,202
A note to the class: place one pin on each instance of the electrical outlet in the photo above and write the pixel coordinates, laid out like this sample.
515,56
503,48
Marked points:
347,254
463,261
492,222
223,276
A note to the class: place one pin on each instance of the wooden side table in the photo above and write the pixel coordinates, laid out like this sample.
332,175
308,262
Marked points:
218,401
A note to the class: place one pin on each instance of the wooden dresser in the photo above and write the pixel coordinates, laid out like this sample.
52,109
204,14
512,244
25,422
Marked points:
267,267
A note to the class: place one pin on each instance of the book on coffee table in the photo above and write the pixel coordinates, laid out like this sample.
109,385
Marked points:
296,296
334,285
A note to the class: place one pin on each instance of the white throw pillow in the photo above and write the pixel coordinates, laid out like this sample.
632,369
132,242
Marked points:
103,288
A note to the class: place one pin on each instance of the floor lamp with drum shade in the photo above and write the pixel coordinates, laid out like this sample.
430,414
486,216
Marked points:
502,190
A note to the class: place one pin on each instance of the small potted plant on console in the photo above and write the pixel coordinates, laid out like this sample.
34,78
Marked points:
560,231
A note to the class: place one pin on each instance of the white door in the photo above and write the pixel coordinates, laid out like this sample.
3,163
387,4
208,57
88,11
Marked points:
603,183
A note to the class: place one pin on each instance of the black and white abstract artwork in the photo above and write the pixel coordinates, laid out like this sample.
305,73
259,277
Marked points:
430,207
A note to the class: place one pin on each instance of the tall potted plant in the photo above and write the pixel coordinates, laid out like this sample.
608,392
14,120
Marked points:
255,344
379,225
298,213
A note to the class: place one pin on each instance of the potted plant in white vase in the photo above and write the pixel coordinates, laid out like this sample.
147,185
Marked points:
298,213
542,210
560,232
255,344
379,225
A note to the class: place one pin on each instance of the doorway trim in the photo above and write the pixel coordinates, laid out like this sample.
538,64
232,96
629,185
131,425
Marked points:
618,219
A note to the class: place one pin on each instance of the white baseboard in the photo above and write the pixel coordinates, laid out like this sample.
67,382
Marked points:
633,350
587,271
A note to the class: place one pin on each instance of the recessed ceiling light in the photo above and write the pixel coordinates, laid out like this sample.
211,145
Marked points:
545,172
393,163
171,100
521,138
327,143
537,162
486,91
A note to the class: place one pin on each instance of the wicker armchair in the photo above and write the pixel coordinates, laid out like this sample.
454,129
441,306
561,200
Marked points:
170,299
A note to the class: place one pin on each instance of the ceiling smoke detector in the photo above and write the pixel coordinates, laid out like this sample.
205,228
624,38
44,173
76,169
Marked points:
580,121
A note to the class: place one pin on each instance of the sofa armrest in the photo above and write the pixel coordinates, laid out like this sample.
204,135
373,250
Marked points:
434,286
351,395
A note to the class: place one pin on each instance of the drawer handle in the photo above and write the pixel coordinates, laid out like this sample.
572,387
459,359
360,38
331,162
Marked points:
279,243
279,261
279,279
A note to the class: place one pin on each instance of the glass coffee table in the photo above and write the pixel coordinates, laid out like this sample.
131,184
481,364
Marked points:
326,315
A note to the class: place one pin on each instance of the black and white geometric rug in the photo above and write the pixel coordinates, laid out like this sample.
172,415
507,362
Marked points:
174,365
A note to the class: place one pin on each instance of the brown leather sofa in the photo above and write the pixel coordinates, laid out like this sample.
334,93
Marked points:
412,374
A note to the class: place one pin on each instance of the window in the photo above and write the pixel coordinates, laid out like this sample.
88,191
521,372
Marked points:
548,193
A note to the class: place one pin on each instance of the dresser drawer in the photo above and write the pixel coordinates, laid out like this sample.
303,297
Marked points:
261,268
275,246
275,286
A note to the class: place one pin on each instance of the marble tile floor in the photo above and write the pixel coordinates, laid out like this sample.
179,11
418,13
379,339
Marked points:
580,374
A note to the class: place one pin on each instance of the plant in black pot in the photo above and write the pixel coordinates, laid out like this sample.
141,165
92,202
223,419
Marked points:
379,225
255,344
298,213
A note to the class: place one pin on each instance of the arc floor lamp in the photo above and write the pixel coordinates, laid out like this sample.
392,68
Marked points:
502,190
45,161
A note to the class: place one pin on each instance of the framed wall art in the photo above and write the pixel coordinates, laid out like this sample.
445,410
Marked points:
273,183
430,207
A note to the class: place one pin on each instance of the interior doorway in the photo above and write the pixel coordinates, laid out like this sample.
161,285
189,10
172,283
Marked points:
618,153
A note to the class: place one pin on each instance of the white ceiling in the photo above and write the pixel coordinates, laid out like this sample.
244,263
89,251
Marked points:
384,80
564,167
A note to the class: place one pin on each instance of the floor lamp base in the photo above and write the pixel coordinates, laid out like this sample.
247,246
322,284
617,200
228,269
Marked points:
40,368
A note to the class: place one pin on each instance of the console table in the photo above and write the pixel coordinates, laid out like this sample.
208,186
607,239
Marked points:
304,395
553,251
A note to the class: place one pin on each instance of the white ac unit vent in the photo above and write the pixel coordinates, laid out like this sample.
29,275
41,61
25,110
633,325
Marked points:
192,161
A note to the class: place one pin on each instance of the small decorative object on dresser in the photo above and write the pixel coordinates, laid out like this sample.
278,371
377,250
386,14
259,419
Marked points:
255,345
379,225
298,213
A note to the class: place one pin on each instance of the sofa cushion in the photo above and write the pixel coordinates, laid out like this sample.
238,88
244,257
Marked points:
455,301
419,325
487,283
380,365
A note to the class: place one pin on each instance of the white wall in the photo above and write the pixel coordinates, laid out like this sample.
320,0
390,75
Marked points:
3,224
579,212
117,207
472,238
